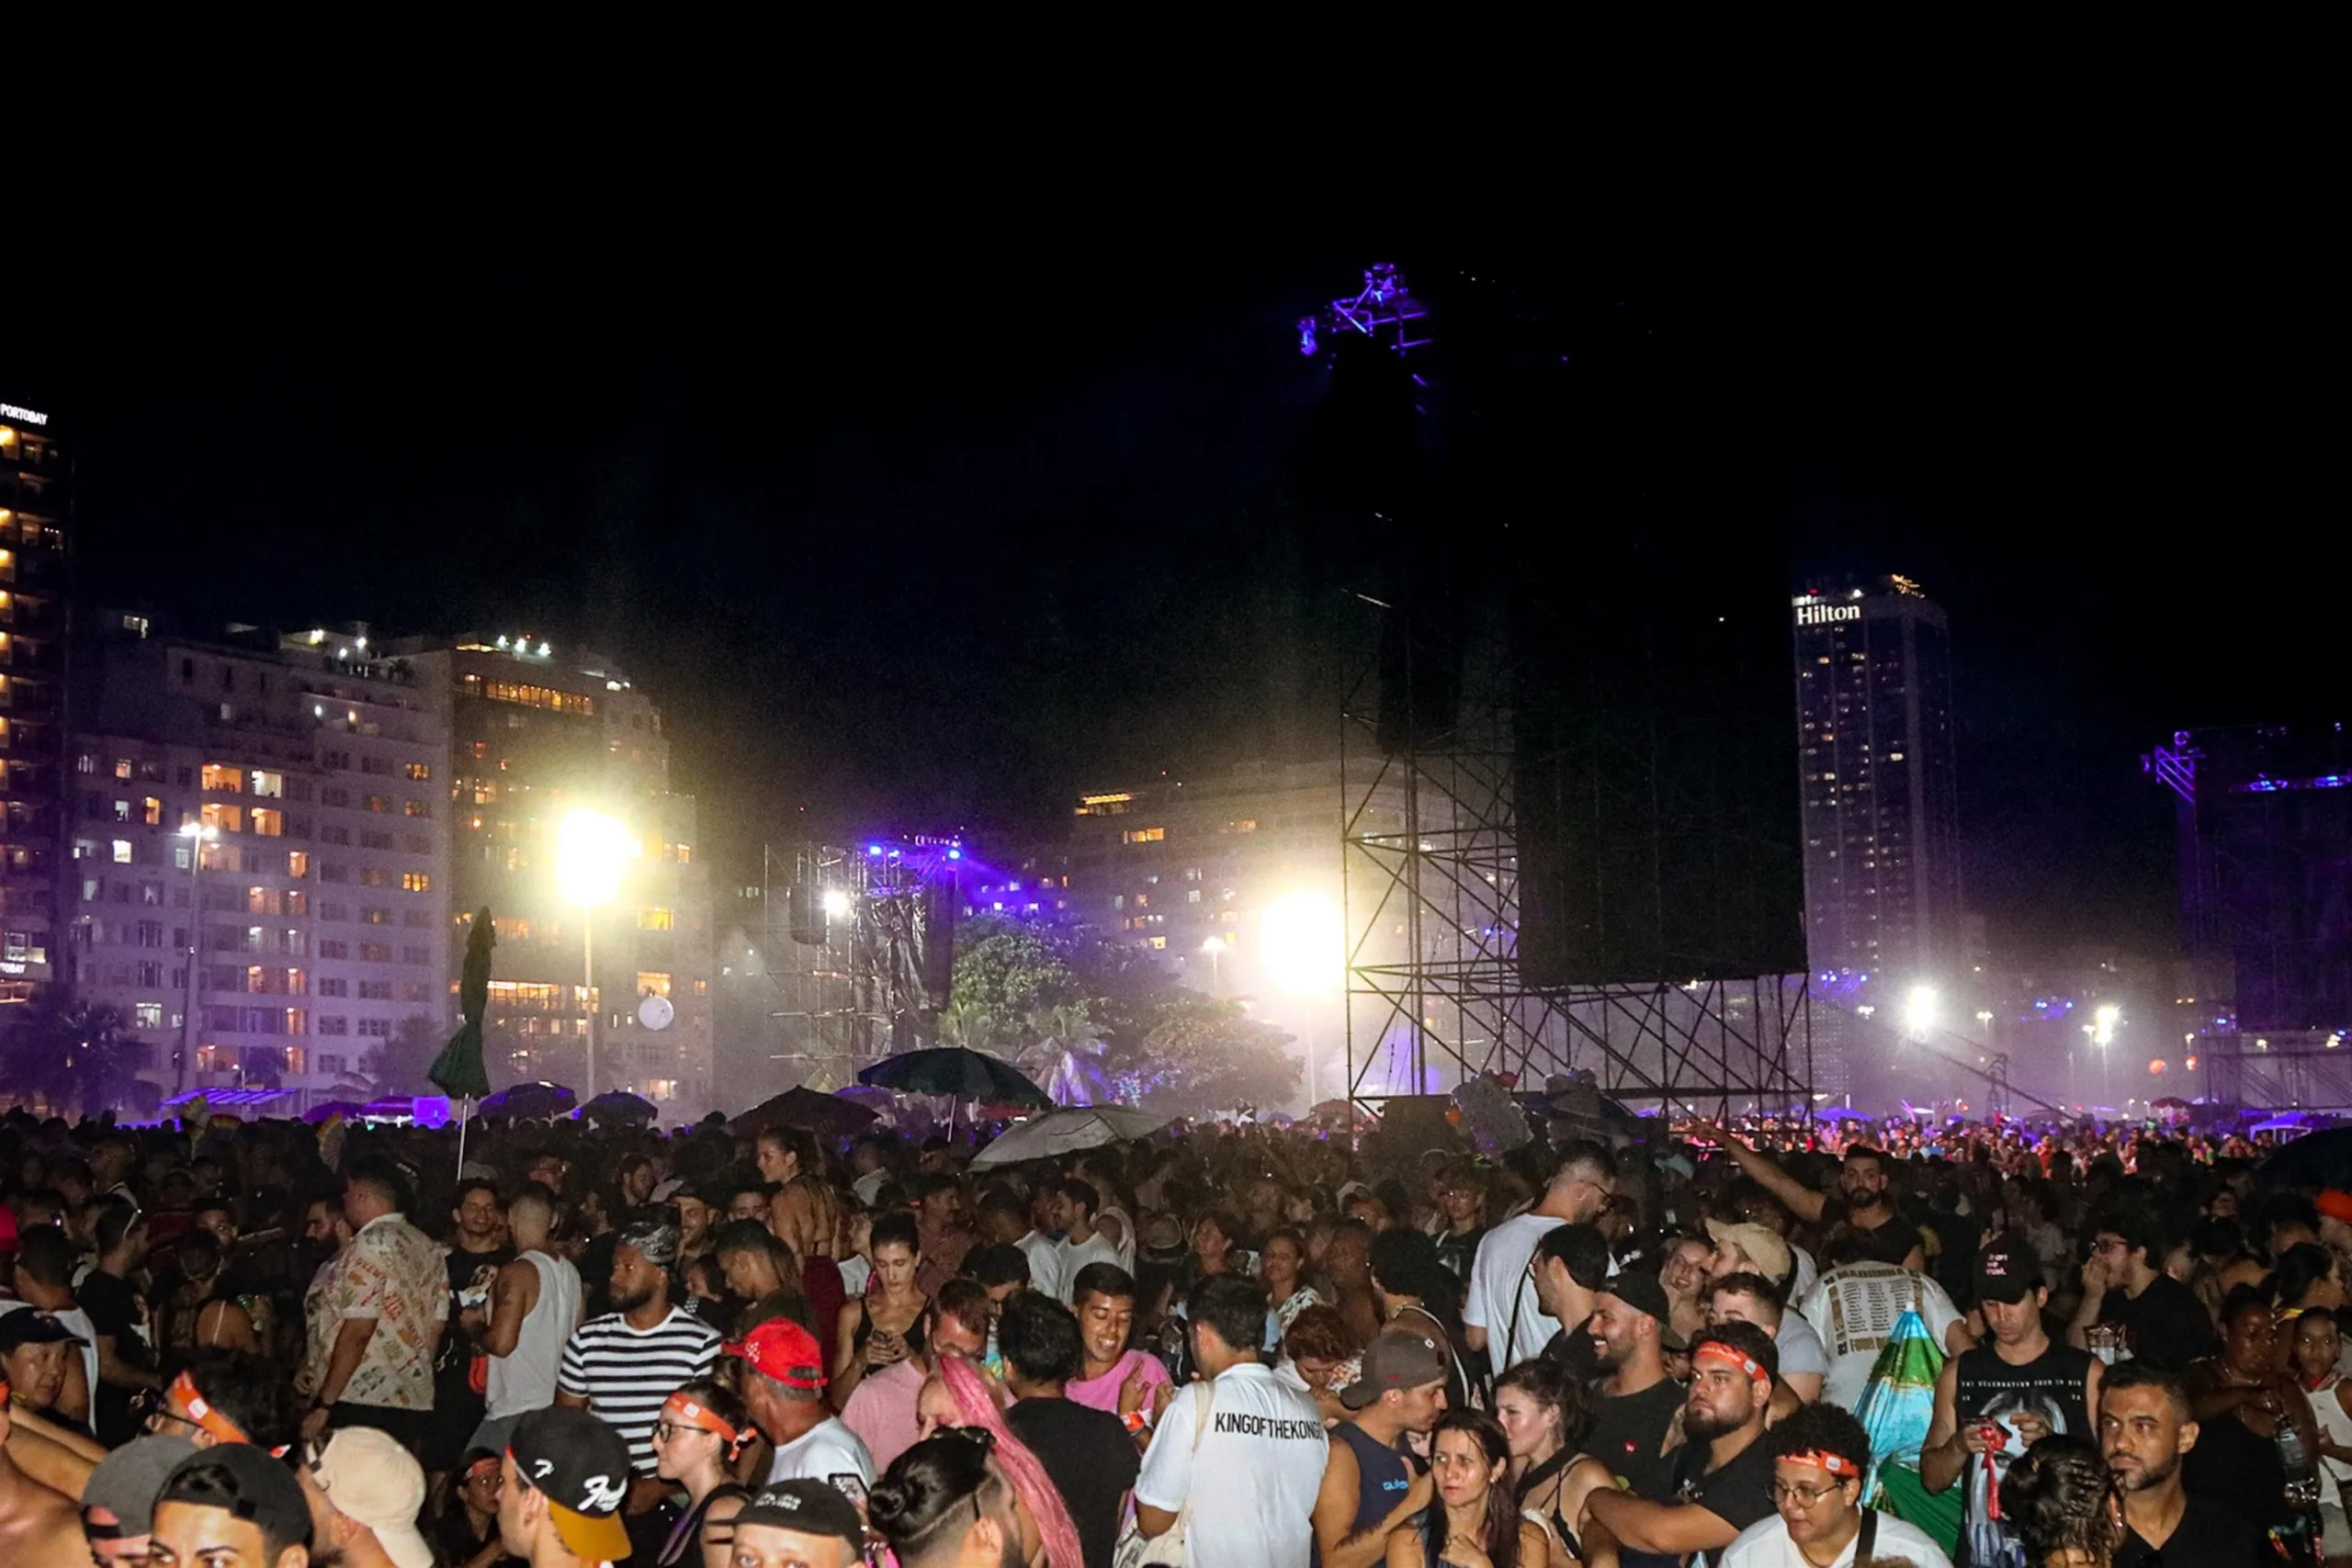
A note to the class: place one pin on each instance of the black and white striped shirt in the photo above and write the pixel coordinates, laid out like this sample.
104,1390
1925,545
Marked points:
627,1372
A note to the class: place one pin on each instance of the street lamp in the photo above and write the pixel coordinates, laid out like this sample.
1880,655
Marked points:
1215,948
590,851
1919,1011
1303,945
198,835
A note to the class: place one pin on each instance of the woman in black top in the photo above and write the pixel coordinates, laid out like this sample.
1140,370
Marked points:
2242,1401
465,1533
700,1431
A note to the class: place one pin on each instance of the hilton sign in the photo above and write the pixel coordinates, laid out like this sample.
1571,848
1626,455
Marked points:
1822,614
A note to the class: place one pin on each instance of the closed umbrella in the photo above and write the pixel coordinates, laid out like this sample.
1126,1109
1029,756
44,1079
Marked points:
802,1106
1067,1132
457,1070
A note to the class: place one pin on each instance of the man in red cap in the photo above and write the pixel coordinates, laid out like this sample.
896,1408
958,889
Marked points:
783,1388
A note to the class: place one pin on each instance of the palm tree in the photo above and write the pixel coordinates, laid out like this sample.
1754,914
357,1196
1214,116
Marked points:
72,1053
969,1024
1065,1059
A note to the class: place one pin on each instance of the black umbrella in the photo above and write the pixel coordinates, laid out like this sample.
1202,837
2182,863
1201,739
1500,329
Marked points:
2315,1159
530,1101
619,1105
952,1070
804,1107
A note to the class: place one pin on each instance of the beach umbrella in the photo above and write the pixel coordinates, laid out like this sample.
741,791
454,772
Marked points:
347,1109
457,1070
956,1072
802,1106
531,1102
1067,1132
619,1105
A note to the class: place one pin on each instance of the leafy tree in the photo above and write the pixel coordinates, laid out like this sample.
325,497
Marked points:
1195,1055
1067,1062
1013,973
397,1067
71,1053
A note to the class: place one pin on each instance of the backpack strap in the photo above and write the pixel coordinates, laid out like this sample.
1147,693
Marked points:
1867,1539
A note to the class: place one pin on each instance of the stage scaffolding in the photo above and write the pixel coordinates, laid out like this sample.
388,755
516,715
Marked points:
1435,993
866,991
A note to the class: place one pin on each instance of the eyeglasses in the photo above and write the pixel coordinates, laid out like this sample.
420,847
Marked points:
1803,1496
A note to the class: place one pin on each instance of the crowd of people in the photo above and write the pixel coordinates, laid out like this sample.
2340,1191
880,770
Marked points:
273,1345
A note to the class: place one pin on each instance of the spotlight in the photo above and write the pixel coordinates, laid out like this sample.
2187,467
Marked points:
836,903
1306,335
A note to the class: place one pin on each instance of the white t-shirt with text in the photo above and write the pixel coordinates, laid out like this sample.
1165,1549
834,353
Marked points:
827,1449
1766,1544
1853,1309
1253,1479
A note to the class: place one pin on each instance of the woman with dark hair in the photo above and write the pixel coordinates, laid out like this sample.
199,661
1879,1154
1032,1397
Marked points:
946,1502
1322,1352
702,1431
464,1534
1281,1264
1473,1522
1544,1415
2060,1498
200,1316
884,1326
1216,1249
2306,1276
2242,1401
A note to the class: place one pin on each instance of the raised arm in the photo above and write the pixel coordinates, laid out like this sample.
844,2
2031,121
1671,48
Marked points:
1761,1169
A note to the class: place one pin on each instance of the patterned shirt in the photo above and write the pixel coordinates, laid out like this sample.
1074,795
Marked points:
392,1274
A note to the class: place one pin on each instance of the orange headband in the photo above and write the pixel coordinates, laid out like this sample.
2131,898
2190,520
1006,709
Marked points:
1716,1350
201,1411
1836,1464
685,1412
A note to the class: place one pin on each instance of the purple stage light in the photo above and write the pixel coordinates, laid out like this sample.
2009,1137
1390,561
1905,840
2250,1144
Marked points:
954,854
873,849
1307,343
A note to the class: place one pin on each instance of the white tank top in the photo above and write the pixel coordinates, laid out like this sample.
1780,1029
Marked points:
525,1380
2336,1423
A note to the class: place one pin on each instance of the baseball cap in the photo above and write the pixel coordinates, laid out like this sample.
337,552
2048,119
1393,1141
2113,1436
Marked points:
125,1483
809,1507
1396,1359
781,1349
2008,1269
26,1326
245,1482
1760,1243
583,1468
370,1477
1640,1290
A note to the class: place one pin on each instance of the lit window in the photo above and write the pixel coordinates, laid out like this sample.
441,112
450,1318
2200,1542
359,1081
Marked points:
270,784
420,772
123,767
655,919
417,882
1143,835
216,776
151,812
652,983
122,852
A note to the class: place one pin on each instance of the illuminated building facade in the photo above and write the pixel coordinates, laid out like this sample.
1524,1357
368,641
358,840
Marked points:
535,733
36,511
316,918
1881,814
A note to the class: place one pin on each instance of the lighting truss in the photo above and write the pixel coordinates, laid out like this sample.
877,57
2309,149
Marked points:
1434,991
1384,311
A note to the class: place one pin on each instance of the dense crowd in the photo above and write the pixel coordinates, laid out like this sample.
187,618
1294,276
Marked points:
273,1345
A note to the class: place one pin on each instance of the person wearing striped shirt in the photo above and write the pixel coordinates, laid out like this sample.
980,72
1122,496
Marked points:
621,1366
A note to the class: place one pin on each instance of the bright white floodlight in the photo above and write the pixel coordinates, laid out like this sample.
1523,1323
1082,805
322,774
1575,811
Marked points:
1303,946
1919,1009
836,903
592,849
2104,1021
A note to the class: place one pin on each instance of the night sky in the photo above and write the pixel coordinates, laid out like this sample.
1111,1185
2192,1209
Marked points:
927,520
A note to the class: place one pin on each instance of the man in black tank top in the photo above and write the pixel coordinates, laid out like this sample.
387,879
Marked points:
1370,1487
1997,1399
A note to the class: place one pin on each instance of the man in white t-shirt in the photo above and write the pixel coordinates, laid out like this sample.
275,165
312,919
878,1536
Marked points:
1819,1456
1246,1485
1853,1307
43,1275
783,1388
1500,1315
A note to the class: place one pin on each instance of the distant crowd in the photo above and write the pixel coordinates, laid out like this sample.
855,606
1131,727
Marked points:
1767,1346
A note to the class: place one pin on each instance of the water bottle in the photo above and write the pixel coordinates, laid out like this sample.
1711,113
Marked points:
2302,1474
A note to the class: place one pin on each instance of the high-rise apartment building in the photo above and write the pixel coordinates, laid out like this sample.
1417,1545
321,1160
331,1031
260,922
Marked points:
536,734
36,511
257,857
1882,819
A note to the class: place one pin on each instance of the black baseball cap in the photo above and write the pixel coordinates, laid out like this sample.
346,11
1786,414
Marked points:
247,1483
1640,1289
583,1468
2008,1269
125,1483
26,1326
808,1507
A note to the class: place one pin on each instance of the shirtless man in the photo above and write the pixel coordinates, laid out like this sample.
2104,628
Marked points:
38,1524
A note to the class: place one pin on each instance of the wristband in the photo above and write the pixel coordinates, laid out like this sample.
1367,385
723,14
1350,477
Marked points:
1136,1422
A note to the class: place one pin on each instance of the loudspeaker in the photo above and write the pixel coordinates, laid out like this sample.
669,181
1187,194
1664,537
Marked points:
805,913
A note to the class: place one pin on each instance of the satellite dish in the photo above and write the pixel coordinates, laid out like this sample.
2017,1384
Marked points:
655,1011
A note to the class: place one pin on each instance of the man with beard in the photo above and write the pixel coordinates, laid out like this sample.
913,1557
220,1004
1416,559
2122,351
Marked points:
1636,1401
2146,1426
1723,1482
1861,1204
477,1252
326,1243
622,1366
1499,1312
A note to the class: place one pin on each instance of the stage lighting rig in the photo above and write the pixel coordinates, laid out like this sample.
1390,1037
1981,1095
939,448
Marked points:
1384,311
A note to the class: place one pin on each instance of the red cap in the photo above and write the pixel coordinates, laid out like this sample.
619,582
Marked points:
781,1349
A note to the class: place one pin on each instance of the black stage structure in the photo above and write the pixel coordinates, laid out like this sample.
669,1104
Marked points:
1569,799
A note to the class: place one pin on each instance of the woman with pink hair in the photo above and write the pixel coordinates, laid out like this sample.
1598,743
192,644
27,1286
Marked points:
973,1401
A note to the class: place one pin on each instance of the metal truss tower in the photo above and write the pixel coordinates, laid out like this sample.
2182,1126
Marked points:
1430,841
865,989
